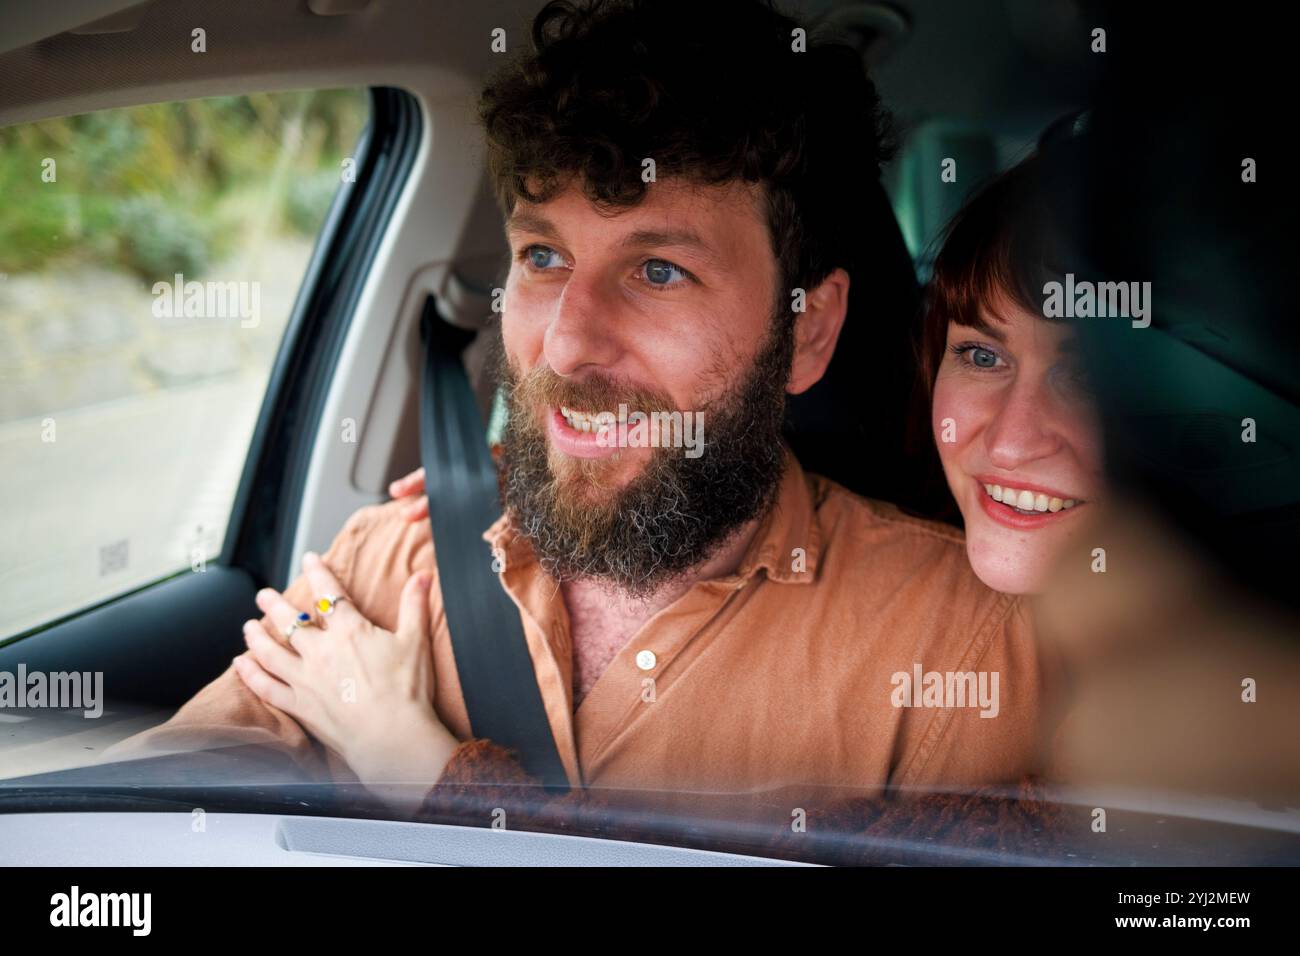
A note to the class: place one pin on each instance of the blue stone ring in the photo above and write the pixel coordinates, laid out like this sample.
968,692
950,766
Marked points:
302,620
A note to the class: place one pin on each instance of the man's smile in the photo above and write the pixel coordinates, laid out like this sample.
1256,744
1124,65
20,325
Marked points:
577,434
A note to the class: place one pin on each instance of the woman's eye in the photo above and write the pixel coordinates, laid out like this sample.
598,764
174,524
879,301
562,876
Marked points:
541,257
661,273
973,355
976,355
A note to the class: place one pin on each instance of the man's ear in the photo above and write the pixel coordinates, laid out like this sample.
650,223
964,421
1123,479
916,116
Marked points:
816,331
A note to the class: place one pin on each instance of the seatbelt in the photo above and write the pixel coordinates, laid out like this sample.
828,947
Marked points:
487,636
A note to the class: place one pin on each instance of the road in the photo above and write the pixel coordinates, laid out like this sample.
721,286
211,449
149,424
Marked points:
121,497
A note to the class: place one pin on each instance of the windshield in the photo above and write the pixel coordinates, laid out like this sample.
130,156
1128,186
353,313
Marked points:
846,444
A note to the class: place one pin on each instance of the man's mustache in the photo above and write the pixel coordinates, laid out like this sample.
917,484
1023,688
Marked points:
594,393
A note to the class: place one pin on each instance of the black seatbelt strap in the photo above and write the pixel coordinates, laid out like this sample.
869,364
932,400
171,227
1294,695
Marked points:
487,636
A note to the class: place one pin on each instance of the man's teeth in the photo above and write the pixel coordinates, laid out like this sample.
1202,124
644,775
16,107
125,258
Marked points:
585,421
1028,500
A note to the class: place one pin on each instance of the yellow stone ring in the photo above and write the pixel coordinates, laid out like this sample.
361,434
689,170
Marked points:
327,604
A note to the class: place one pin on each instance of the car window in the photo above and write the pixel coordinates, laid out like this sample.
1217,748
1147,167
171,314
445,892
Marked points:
149,261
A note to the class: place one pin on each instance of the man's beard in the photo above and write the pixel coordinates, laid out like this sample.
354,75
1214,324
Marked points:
677,511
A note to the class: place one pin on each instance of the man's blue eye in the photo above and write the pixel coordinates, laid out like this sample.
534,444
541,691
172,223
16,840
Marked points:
659,272
540,256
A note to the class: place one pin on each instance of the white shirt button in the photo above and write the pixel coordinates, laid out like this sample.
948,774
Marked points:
646,660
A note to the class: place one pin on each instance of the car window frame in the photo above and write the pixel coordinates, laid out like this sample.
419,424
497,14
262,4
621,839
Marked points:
280,448
283,441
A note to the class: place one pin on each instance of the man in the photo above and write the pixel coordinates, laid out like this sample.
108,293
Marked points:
682,188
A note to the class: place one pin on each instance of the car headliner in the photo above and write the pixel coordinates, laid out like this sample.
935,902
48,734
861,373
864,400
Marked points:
982,62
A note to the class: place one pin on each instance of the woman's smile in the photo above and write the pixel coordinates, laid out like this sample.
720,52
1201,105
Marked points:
1024,506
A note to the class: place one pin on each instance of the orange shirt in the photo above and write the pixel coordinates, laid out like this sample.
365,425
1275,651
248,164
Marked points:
786,672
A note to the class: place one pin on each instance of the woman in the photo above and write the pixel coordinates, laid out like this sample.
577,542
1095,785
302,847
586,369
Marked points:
1013,421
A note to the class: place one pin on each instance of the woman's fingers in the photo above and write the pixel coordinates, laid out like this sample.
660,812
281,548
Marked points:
413,607
409,485
328,594
412,487
416,511
276,659
264,685
281,612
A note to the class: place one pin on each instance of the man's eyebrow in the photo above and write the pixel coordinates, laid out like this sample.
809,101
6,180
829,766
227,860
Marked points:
527,221
680,238
536,223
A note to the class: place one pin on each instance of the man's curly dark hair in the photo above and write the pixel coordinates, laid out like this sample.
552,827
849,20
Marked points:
711,91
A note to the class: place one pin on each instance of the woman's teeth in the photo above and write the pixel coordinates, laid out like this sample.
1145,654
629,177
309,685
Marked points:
1028,501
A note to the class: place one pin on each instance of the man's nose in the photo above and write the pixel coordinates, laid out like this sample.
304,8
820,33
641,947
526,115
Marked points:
1023,428
582,331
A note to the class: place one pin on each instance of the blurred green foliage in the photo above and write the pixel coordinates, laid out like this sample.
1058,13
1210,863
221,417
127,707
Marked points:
169,187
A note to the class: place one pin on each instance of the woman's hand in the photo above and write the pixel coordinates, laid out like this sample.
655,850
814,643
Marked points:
365,692
412,486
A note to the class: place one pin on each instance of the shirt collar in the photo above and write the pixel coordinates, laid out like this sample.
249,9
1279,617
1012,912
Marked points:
786,547
788,543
